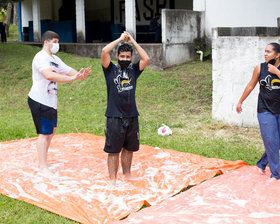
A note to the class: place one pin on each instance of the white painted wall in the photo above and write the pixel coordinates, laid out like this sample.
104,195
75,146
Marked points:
36,20
239,13
199,5
26,12
234,59
130,20
46,10
80,21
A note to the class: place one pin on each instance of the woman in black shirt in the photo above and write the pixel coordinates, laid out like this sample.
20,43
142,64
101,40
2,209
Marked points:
268,76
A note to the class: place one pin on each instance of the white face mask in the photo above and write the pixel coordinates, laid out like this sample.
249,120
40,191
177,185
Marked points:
55,48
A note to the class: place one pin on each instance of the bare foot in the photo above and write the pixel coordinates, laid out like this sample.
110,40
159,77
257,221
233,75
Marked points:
46,173
261,171
112,183
130,177
48,165
272,179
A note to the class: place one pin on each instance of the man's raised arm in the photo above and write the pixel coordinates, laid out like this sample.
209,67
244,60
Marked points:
105,55
142,53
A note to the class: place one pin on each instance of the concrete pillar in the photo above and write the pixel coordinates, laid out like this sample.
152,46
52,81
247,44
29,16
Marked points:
80,21
278,22
199,5
36,20
163,26
130,17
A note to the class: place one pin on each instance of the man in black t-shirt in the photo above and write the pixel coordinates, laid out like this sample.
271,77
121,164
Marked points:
122,128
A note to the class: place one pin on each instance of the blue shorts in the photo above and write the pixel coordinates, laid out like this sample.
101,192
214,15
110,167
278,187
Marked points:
44,117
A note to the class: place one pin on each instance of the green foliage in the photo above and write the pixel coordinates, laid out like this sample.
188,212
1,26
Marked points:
206,53
179,97
200,45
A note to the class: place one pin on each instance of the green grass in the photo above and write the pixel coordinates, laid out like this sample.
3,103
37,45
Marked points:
179,97
13,33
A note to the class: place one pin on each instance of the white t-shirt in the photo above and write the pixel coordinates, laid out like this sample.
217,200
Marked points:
44,91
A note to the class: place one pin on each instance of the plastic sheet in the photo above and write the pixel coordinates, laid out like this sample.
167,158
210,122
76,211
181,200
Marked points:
240,196
81,192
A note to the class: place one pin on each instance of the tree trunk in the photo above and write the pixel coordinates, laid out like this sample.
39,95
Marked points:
9,13
15,20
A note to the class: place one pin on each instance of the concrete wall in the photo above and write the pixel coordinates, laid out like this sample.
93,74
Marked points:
155,51
235,56
238,13
180,28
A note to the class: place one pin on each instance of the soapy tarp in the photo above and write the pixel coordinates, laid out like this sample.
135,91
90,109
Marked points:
81,193
239,196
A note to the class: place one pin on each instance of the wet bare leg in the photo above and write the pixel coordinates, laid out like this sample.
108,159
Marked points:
126,160
43,145
113,166
42,150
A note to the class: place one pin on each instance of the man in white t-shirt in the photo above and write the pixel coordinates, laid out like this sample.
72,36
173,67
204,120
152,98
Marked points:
47,71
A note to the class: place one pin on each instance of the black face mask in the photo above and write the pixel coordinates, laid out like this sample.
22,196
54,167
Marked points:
124,64
272,62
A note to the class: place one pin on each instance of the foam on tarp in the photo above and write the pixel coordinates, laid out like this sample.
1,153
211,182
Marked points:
80,192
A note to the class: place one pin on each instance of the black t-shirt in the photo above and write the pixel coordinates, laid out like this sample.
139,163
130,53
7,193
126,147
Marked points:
269,94
121,87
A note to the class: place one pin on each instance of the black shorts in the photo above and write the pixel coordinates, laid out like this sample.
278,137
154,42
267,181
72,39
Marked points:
121,133
44,117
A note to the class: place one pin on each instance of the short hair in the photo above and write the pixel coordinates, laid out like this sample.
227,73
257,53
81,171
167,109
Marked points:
49,35
276,47
125,48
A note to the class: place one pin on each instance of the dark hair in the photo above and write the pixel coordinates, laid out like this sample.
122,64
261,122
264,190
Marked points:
276,47
157,14
125,48
49,35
